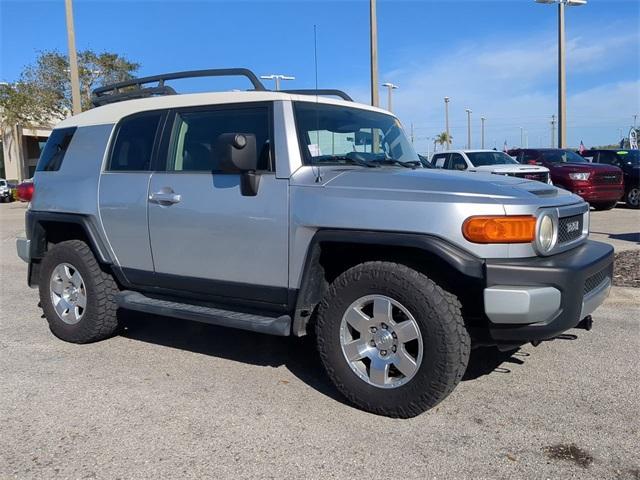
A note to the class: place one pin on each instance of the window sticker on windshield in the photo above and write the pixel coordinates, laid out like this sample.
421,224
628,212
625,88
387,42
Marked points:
314,150
439,162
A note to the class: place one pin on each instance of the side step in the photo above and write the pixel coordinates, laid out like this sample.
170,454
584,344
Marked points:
245,321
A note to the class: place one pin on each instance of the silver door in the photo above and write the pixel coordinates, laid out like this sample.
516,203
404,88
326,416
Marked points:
205,235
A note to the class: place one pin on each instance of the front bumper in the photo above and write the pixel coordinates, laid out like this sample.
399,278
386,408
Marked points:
537,299
600,193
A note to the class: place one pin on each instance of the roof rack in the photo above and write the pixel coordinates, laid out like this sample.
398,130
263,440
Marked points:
324,92
117,92
135,88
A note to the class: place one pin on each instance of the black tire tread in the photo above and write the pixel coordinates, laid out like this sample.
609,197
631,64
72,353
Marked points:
102,321
451,330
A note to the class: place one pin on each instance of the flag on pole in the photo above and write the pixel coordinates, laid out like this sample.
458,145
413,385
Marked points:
581,149
505,148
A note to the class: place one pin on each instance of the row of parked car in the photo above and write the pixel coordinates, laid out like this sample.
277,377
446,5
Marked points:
600,177
10,191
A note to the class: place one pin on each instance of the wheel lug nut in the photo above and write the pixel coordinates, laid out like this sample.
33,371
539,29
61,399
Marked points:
393,349
372,343
373,329
383,352
384,326
393,334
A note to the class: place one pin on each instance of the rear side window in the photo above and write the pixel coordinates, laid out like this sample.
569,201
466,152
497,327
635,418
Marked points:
133,147
55,149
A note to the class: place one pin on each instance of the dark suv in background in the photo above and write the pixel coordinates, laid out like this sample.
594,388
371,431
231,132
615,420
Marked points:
626,160
600,185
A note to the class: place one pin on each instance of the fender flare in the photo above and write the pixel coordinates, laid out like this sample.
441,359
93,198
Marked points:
313,284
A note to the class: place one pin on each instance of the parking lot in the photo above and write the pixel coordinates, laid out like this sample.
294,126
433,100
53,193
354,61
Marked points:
175,399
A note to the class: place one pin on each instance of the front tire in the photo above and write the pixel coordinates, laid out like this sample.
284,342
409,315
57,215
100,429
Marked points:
391,340
77,296
633,198
604,206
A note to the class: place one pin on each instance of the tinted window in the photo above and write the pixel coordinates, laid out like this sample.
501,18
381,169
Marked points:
629,157
609,158
438,160
562,156
195,134
456,162
530,156
133,148
55,149
480,159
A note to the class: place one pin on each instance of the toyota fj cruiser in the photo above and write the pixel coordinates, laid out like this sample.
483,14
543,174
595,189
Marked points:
289,213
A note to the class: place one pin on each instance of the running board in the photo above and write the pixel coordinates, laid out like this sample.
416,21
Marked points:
245,321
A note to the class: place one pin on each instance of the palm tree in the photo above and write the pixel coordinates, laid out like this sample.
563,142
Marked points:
443,138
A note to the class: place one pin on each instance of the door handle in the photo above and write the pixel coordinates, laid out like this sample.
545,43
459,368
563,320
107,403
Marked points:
165,198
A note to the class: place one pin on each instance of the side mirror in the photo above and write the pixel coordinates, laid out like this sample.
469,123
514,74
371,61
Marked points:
237,153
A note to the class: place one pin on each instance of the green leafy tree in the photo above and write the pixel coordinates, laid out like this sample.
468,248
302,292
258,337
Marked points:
43,92
443,138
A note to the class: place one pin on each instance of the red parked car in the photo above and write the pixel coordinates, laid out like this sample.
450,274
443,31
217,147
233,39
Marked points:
600,185
25,191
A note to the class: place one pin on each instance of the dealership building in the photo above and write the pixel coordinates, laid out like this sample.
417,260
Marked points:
21,147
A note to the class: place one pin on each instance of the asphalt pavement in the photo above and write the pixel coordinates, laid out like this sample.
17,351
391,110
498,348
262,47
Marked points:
176,399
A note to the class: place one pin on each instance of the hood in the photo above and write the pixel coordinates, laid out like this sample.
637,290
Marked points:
585,167
510,169
449,185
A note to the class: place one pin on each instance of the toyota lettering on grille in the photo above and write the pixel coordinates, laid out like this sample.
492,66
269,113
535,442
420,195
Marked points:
573,226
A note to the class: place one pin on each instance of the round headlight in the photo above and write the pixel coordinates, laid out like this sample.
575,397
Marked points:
546,233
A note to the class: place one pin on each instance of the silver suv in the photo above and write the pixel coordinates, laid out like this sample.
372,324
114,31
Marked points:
290,213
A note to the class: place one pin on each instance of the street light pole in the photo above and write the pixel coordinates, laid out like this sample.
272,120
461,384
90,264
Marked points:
390,88
562,78
553,131
521,137
482,119
277,78
73,59
373,37
468,128
446,120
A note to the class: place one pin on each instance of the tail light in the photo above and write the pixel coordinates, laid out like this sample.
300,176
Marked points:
25,191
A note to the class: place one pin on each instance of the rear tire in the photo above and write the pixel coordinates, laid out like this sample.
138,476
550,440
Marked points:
77,296
438,344
604,206
633,198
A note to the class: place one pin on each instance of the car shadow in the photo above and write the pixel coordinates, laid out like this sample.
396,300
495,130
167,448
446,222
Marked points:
298,355
627,237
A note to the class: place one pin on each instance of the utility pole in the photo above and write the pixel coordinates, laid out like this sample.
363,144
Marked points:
635,119
73,59
390,88
411,133
482,119
446,120
553,131
373,35
468,128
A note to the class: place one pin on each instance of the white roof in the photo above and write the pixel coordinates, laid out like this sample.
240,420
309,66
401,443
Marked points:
113,112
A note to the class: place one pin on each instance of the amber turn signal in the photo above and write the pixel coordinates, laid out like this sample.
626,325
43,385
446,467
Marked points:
500,229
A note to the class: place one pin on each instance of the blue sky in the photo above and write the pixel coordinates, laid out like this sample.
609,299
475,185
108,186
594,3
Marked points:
496,57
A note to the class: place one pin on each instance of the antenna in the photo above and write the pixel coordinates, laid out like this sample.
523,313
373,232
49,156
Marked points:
315,60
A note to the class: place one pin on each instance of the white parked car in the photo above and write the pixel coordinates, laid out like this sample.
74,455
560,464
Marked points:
489,161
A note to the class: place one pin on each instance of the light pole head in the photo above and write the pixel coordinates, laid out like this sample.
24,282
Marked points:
468,110
390,85
446,99
569,3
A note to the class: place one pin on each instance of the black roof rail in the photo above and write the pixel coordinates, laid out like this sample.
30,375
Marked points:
324,92
120,91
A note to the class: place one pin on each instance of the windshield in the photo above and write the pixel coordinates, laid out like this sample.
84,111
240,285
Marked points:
630,157
331,134
481,159
562,156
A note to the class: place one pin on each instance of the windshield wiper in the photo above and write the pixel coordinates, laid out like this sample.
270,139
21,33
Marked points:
344,158
393,161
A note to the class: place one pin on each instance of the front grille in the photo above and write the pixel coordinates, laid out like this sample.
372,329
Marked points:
538,176
607,178
594,280
570,228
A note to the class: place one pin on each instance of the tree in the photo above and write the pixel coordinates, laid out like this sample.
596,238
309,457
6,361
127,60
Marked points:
43,92
443,138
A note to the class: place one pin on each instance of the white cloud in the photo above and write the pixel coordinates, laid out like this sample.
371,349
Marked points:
514,85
